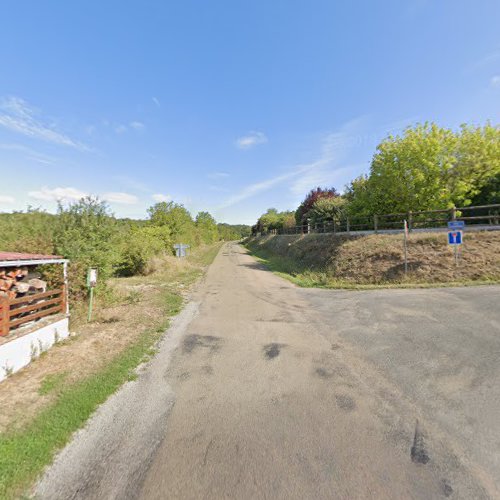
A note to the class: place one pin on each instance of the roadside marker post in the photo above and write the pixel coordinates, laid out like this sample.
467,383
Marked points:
91,284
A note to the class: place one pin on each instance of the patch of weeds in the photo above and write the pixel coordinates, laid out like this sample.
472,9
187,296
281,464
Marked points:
133,297
33,352
9,370
172,302
51,383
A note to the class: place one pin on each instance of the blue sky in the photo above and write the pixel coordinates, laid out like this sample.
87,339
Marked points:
227,106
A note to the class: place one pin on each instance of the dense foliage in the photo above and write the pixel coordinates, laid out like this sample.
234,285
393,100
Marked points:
88,234
428,168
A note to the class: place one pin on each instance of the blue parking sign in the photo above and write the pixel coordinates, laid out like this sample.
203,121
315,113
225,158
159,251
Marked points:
455,237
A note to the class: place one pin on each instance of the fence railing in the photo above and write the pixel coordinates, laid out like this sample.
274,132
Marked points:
17,312
487,215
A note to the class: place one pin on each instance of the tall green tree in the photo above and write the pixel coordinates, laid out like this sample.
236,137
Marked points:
427,167
176,217
207,227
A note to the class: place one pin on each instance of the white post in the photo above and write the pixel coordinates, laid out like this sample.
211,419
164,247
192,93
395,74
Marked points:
66,291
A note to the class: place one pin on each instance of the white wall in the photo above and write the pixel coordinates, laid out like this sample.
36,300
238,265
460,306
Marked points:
20,352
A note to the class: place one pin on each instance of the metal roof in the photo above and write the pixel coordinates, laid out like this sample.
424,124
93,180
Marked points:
25,259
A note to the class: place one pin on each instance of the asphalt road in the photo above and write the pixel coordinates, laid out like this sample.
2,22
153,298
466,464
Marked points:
265,390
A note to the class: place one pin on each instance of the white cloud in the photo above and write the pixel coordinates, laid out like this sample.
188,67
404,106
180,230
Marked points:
495,81
57,194
121,198
6,199
156,101
137,125
161,197
218,175
17,116
250,140
119,129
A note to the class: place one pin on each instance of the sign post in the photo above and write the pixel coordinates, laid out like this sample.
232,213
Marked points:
91,284
181,249
455,236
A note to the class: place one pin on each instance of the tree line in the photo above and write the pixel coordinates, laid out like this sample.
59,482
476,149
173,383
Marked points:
87,233
427,167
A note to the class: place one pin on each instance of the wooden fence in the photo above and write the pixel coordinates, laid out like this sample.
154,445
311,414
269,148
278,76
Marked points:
484,215
22,310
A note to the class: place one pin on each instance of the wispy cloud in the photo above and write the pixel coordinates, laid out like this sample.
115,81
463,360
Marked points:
250,140
120,129
57,194
486,60
17,116
156,101
495,81
120,198
332,158
6,199
256,188
158,197
218,175
29,153
137,125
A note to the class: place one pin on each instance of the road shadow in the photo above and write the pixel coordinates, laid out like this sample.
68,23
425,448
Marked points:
398,271
255,265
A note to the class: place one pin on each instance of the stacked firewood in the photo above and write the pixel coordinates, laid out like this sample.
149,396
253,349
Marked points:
19,282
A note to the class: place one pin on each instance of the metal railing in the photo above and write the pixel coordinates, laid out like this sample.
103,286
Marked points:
477,216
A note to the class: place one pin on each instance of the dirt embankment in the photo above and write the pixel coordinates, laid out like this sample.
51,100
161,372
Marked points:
323,259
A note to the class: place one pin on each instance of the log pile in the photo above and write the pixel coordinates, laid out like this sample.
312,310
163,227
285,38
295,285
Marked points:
19,282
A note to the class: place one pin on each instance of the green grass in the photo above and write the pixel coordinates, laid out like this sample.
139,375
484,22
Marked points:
302,276
25,452
52,383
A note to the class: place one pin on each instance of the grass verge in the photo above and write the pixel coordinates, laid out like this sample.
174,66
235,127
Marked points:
26,451
303,276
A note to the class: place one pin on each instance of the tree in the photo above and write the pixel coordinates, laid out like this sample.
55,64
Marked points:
427,168
326,210
269,220
302,213
207,226
86,233
176,217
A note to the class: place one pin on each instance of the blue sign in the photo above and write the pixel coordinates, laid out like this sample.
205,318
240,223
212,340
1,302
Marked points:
456,224
455,238
181,249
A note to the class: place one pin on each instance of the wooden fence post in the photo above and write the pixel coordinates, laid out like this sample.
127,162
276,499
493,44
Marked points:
375,223
348,227
453,213
5,312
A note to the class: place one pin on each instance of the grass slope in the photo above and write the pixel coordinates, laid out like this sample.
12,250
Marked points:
333,261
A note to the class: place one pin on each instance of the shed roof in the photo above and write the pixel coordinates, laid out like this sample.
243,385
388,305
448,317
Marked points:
17,259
